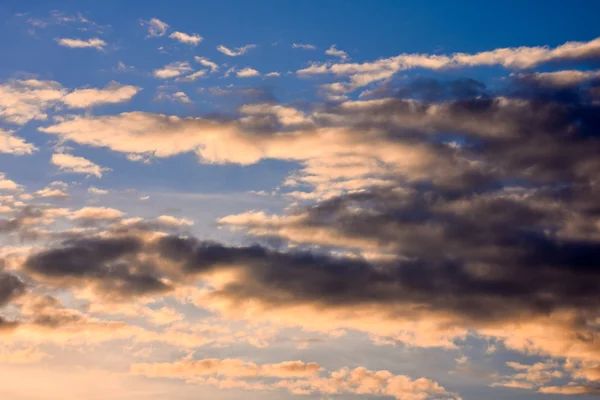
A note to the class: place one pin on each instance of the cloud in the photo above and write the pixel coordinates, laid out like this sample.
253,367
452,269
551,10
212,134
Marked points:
296,377
193,39
24,100
567,78
97,191
193,76
113,93
333,51
303,46
238,51
207,63
156,27
96,214
247,73
11,287
95,43
68,163
51,192
176,97
173,70
362,74
7,184
188,368
12,144
272,74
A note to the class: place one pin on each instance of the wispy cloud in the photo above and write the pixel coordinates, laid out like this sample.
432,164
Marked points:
207,63
156,27
303,46
173,70
238,51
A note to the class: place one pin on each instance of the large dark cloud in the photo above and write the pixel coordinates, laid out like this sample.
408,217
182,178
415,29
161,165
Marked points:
109,263
477,249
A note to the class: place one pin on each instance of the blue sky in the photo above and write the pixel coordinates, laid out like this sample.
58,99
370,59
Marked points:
278,200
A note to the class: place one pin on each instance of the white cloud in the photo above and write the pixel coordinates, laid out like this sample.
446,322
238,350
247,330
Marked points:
303,46
192,39
247,73
51,192
332,51
24,100
173,70
96,214
207,63
77,165
273,74
156,27
7,184
11,144
95,43
238,50
113,93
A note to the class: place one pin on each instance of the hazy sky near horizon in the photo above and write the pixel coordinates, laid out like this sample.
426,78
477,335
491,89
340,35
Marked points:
280,200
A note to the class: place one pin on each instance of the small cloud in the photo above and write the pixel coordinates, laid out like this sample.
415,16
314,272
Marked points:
207,63
303,46
68,163
122,67
156,27
193,77
176,97
238,50
192,39
173,70
144,198
97,191
96,43
7,184
247,73
332,51
12,144
272,74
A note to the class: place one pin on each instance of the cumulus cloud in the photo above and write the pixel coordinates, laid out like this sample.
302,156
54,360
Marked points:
238,51
193,39
113,93
77,165
7,184
95,43
24,100
247,73
12,144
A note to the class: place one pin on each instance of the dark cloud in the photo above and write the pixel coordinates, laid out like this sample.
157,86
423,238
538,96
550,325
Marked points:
108,264
10,287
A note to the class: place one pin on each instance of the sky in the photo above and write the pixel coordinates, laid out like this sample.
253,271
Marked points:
299,200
